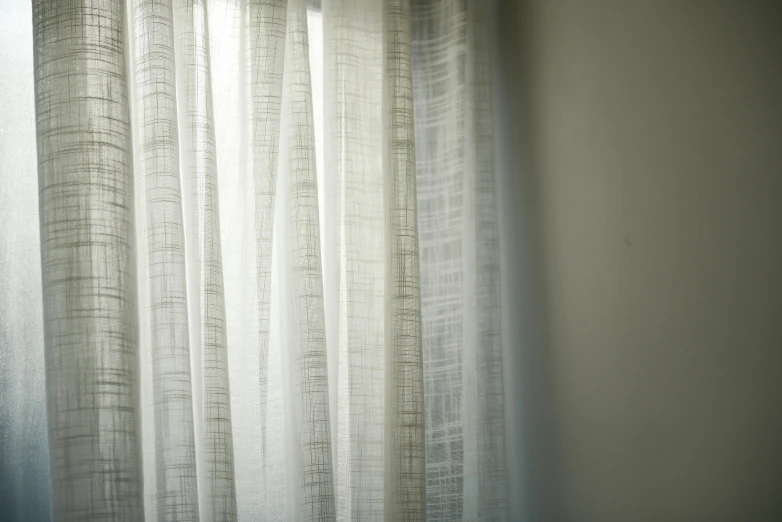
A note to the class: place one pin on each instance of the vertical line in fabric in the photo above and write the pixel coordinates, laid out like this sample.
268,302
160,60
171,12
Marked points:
439,38
176,493
266,27
460,262
289,467
148,425
88,260
306,344
282,387
490,421
405,484
214,442
227,47
354,151
470,382
329,193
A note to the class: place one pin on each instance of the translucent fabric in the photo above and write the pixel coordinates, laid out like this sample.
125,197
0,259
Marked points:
90,310
169,439
354,254
240,320
460,263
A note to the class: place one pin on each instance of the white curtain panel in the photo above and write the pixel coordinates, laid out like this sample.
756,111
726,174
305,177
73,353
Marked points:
270,265
460,263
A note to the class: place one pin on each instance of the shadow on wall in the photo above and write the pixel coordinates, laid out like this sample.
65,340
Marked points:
640,177
531,435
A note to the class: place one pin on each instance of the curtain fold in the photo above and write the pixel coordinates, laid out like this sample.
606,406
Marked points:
354,260
267,28
238,324
404,401
85,177
303,300
460,272
214,436
170,470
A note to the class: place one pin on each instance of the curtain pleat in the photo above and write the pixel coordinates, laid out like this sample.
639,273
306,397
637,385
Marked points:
404,398
266,36
459,241
214,437
174,484
354,249
439,40
306,333
88,260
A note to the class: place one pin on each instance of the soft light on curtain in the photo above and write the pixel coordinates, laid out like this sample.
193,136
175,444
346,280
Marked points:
460,272
270,264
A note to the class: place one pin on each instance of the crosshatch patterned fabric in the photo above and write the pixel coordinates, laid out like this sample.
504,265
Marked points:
168,428
306,332
90,312
354,253
270,285
460,278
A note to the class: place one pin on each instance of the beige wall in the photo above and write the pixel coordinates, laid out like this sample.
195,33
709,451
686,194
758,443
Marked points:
642,197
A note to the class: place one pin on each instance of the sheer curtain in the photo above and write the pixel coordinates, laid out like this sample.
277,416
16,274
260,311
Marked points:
270,264
460,265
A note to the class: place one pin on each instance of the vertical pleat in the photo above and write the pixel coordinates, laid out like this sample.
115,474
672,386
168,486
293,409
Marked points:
88,259
267,21
459,244
227,28
355,245
214,439
404,406
306,340
175,495
439,46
